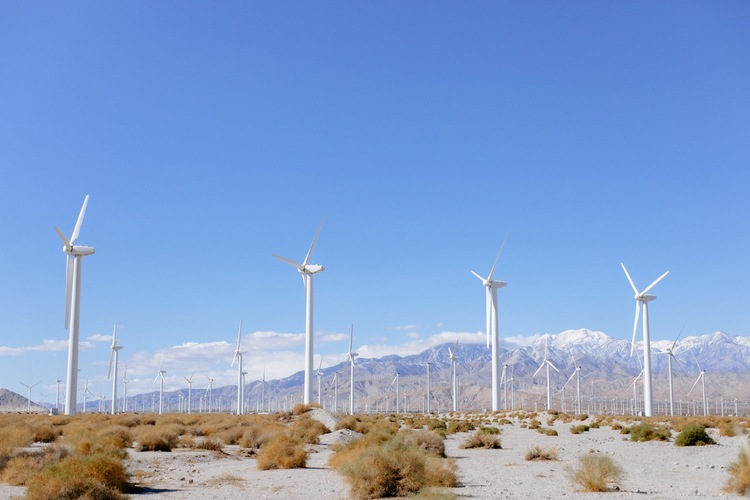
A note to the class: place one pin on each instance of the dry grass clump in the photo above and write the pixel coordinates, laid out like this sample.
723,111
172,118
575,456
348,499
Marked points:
156,439
282,452
539,453
547,431
578,429
307,430
455,426
481,439
693,434
23,465
301,408
208,443
647,432
96,476
739,474
380,465
426,441
595,472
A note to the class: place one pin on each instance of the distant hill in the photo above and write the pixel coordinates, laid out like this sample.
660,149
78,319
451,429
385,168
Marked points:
11,402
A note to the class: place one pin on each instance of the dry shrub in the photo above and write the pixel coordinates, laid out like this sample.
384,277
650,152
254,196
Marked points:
209,443
231,435
96,476
455,426
647,432
282,452
427,441
547,431
301,408
481,439
25,464
739,474
434,494
693,435
539,453
730,428
307,430
45,433
15,435
595,472
156,439
578,429
260,433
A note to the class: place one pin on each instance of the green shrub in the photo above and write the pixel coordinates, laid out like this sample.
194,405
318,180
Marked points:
547,432
97,476
578,429
693,435
647,432
594,472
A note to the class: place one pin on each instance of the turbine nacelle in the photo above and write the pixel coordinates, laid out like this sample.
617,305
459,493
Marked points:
645,298
312,269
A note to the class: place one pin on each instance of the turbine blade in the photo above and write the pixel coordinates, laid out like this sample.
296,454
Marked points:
635,326
475,274
492,271
571,378
296,265
114,335
694,384
553,366
77,229
654,283
488,315
68,290
309,252
696,361
351,337
538,370
629,279
239,333
111,360
67,244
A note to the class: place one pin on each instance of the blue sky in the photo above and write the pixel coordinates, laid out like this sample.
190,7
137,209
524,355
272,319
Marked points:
212,135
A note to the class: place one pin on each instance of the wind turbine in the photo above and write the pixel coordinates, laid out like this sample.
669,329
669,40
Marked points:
240,386
335,384
641,301
491,327
263,392
669,352
210,391
504,383
428,408
28,401
319,373
74,254
454,380
702,379
86,391
395,381
160,378
308,271
125,390
350,357
57,400
547,363
114,350
190,391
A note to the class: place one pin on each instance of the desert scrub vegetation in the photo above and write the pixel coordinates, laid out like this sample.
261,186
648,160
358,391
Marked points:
282,452
739,473
595,473
547,431
539,453
647,432
307,430
98,476
693,435
481,439
578,429
386,463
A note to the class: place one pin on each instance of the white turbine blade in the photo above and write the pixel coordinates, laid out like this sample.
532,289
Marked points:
161,361
351,337
296,265
553,366
455,348
488,314
492,271
696,361
394,381
694,384
320,367
67,244
629,279
475,274
239,334
635,326
571,378
111,360
114,335
309,252
538,370
157,376
644,292
77,229
68,290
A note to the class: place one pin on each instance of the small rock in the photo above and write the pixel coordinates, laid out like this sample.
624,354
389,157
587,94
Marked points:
190,481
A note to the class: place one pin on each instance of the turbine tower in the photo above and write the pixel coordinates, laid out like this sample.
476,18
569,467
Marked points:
319,373
669,352
114,350
125,390
454,380
395,381
504,384
641,301
75,254
240,386
546,362
308,271
428,407
190,391
210,391
160,378
350,357
702,379
28,401
493,338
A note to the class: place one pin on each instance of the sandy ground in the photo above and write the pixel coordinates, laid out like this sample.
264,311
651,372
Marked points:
653,469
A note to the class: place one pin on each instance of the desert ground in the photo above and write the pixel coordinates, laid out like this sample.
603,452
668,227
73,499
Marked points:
652,469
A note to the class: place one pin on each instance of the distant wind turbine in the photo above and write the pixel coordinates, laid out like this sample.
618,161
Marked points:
547,363
641,301
75,254
430,360
114,350
504,383
160,378
492,328
57,399
702,379
319,373
28,401
454,380
210,391
125,390
308,271
395,381
335,384
350,357
669,352
240,386
190,391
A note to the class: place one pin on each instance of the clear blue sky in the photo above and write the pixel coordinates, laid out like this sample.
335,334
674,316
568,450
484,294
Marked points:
210,135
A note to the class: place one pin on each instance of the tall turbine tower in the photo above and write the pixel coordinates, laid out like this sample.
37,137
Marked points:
319,373
125,390
308,271
74,254
546,362
669,352
491,326
240,386
395,381
454,380
160,378
641,301
350,357
702,379
190,391
114,350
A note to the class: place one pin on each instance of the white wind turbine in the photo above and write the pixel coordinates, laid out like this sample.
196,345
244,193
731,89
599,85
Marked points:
669,352
395,381
454,380
114,350
350,357
641,301
75,254
85,392
240,386
547,363
28,401
263,392
430,360
210,391
335,384
160,378
319,373
57,399
493,338
308,271
702,379
125,390
190,391
504,384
